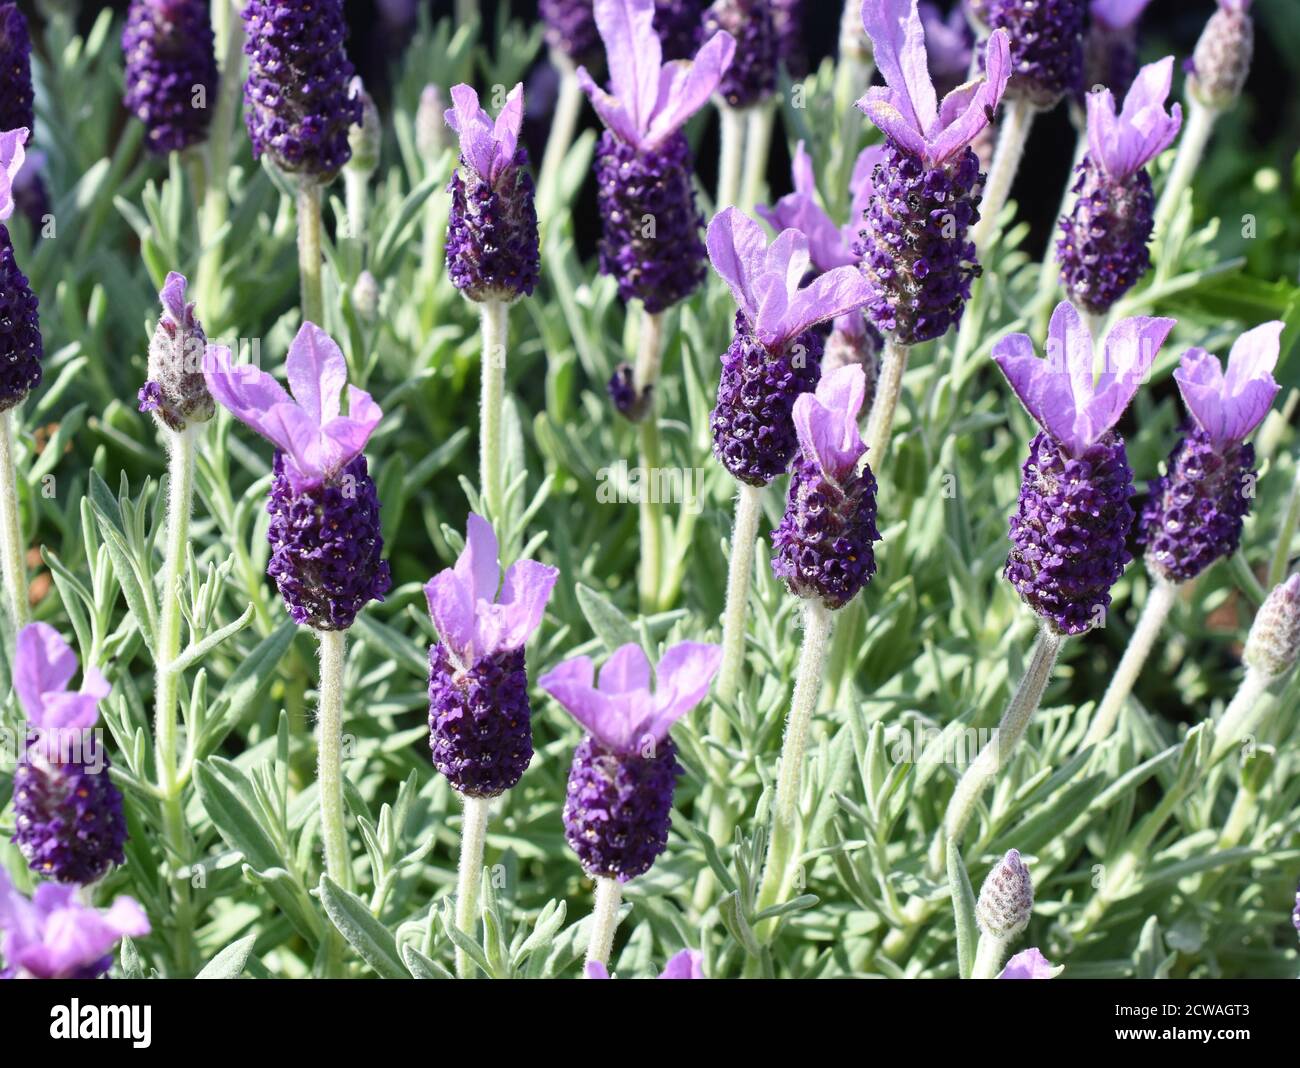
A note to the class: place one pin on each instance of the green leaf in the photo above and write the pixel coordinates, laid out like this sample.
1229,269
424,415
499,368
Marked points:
421,966
228,798
606,621
370,938
963,907
249,681
229,963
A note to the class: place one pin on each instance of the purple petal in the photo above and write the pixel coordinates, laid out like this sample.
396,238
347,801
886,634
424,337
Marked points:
595,970
738,251
1124,144
1117,14
505,132
12,155
478,568
634,54
1028,964
834,293
964,113
898,37
317,373
800,210
1229,407
453,613
688,964
518,613
827,421
882,106
686,85
172,295
682,681
474,128
248,392
626,671
43,664
1047,387
1131,348
610,109
603,717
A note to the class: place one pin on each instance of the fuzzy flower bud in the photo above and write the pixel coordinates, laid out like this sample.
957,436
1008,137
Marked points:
176,392
365,296
171,71
430,126
366,137
1006,899
751,77
1220,64
1273,645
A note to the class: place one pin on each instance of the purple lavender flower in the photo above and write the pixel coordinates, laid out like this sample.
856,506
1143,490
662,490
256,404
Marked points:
750,78
571,28
823,546
1046,47
1068,533
913,248
171,71
620,795
176,392
1029,964
53,936
650,240
480,721
21,348
1110,49
1220,63
949,45
17,102
298,105
1103,245
688,964
787,21
1194,514
67,812
677,22
775,354
492,231
326,547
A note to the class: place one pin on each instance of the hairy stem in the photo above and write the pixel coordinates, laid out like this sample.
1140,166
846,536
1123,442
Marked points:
645,382
1017,118
356,191
744,531
880,423
329,750
469,878
491,402
564,123
758,143
11,528
1198,123
604,919
1243,715
732,134
989,955
309,252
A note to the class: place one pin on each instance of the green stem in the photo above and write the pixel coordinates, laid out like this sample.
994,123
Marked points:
880,423
11,528
469,877
494,324
744,531
732,134
356,191
1243,714
989,954
1197,127
1017,118
604,919
1277,568
645,380
758,143
309,252
329,755
564,123
216,201
1160,600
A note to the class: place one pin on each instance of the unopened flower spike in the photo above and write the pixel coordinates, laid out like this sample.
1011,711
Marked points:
176,391
171,71
688,964
751,76
1217,71
1110,47
1003,911
492,252
68,815
54,936
1069,530
1194,513
1103,244
1273,645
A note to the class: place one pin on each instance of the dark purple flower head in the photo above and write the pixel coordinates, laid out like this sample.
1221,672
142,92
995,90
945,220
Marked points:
751,76
688,964
570,28
176,391
677,22
1029,964
298,102
1046,46
1220,64
787,20
171,71
17,103
822,547
54,936
492,250
67,812
21,347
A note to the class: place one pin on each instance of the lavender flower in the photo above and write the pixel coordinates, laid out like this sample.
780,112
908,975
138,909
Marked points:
688,964
787,22
914,249
17,102
21,348
492,230
480,722
677,22
750,78
53,936
67,812
1110,49
775,354
1195,511
1006,899
571,28
1103,245
1221,62
1068,533
298,106
1029,964
171,71
949,45
1046,39
176,392
325,539
823,546
650,238
620,795
1273,644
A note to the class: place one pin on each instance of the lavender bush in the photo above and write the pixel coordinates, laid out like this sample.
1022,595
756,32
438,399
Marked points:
998,680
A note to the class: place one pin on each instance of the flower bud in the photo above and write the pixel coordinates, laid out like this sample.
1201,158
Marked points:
1006,899
365,296
430,128
1219,65
365,137
1273,645
176,392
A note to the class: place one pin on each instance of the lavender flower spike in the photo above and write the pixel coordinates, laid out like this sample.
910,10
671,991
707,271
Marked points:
751,77
914,250
570,28
492,230
1046,46
1068,533
775,354
479,717
171,71
68,814
1110,49
620,794
823,548
1195,511
1103,245
1221,61
325,541
21,347
688,964
53,936
176,391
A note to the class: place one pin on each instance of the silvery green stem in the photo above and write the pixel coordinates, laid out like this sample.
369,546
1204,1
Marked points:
469,878
1198,123
778,873
11,528
329,750
356,190
1242,716
744,531
466,12
853,70
309,252
889,388
1160,600
604,919
493,320
758,144
732,133
994,756
1017,118
1277,568
645,380
564,122
989,956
